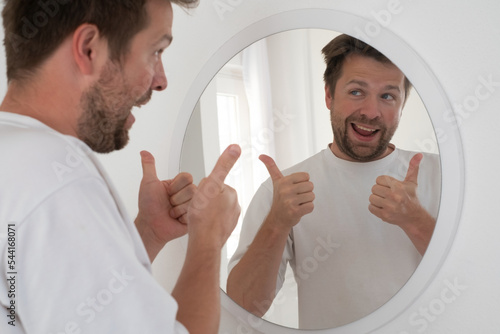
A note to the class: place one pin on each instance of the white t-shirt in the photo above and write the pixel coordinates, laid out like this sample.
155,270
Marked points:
80,264
346,261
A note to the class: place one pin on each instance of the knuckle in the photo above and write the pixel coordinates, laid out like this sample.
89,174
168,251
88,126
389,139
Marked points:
231,190
311,186
371,198
188,178
177,211
309,208
398,198
281,192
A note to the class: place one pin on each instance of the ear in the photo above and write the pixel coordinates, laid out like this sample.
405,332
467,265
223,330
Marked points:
88,48
328,96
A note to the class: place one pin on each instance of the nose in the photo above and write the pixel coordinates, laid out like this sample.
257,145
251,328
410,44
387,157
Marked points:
160,79
370,108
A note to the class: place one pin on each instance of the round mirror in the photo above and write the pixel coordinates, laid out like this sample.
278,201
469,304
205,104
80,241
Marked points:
219,117
269,99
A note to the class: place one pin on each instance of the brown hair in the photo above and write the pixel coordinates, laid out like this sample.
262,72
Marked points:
336,52
34,29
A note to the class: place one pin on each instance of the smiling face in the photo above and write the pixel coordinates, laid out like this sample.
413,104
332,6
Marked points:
107,105
365,109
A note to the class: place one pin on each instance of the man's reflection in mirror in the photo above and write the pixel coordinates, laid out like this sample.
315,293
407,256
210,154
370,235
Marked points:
352,221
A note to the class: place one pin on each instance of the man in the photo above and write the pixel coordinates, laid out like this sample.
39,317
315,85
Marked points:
75,263
363,237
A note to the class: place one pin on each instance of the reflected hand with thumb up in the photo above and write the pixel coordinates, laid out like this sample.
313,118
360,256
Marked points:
292,195
396,202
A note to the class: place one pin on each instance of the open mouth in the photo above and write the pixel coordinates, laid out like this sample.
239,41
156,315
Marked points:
364,131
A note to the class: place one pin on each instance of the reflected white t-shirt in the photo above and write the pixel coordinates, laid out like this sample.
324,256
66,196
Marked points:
80,264
346,261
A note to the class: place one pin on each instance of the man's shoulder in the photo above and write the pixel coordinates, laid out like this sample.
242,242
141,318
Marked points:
411,152
429,168
24,132
37,160
431,159
308,165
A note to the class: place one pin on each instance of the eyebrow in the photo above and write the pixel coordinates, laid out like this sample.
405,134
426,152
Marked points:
359,82
364,84
392,87
167,37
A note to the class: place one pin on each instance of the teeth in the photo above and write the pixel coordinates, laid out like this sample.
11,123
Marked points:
365,129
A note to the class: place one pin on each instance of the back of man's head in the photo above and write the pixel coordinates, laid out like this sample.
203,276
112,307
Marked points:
34,29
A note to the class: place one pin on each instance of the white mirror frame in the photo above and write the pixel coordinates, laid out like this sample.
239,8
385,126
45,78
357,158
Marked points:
436,102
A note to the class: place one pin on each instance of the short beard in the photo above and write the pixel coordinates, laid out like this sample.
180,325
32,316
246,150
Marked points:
105,111
353,150
102,133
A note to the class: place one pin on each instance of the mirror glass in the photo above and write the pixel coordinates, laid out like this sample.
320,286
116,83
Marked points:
270,99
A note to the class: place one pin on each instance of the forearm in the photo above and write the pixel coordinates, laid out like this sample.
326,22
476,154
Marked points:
252,282
197,290
420,230
211,217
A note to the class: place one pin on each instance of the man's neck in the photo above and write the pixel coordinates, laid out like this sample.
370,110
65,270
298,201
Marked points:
39,103
341,155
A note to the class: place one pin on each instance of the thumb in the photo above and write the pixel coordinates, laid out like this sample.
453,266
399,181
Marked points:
148,167
412,174
271,167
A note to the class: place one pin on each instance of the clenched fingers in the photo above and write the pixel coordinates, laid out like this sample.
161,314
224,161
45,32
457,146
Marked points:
181,189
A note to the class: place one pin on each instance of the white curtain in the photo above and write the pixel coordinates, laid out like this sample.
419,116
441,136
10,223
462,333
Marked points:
257,83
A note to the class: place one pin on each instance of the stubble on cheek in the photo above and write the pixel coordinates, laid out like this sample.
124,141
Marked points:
100,126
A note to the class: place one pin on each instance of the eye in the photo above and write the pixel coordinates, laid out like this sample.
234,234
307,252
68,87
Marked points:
355,92
388,96
158,53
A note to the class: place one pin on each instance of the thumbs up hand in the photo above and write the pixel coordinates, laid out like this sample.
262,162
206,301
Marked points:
396,202
162,206
292,195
